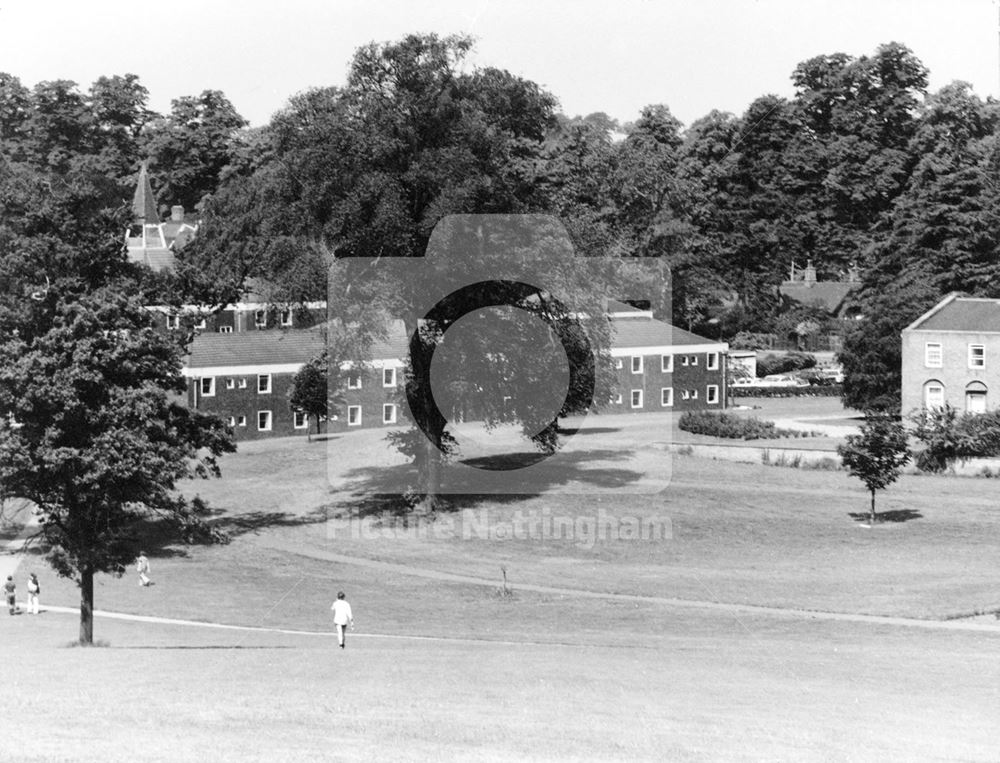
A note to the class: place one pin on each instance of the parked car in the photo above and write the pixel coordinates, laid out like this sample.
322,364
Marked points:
782,380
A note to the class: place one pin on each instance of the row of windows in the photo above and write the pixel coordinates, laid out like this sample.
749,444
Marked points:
934,356
206,385
259,320
667,362
388,379
667,396
300,420
975,396
354,415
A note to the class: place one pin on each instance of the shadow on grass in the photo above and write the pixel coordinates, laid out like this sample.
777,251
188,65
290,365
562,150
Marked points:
255,521
198,648
377,488
574,431
896,515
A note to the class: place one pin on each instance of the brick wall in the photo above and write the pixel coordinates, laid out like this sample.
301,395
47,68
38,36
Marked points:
688,376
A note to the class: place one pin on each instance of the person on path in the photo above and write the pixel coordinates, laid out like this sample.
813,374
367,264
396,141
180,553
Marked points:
342,618
10,591
142,567
34,590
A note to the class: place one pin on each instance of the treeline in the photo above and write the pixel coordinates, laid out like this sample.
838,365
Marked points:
861,166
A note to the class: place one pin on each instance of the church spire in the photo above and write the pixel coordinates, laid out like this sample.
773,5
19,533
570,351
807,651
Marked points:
144,203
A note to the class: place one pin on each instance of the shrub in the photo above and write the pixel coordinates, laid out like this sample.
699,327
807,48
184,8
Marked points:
949,436
783,364
730,426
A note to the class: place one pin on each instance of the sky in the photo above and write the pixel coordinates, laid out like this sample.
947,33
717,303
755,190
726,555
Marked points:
615,57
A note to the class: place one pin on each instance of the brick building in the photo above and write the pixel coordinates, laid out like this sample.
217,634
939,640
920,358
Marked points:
951,354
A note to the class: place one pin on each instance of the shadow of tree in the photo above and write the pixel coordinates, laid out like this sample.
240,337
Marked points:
376,490
895,515
235,525
573,432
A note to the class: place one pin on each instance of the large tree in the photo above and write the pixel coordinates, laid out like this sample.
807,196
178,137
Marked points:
93,427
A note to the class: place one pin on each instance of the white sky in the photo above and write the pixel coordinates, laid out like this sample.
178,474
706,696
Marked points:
594,56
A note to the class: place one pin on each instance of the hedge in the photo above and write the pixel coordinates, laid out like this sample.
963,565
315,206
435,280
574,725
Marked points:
730,426
827,390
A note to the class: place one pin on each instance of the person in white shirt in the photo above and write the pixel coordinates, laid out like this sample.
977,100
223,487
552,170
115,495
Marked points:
342,618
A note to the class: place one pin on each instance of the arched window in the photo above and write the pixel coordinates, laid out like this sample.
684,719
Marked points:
975,397
933,394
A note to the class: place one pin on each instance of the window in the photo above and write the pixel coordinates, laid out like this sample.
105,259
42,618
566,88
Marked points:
388,413
300,420
712,394
242,384
667,396
637,364
264,421
694,360
694,394
201,324
712,361
354,415
208,386
684,360
263,384
667,363
685,394
241,421
619,364
230,383
637,398
975,397
173,322
225,329
932,354
617,398
977,356
934,395
260,318
388,377
232,421
354,381
285,318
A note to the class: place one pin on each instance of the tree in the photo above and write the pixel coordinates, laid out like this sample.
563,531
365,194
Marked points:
308,393
92,427
877,454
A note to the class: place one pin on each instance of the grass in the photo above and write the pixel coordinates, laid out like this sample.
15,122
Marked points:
635,679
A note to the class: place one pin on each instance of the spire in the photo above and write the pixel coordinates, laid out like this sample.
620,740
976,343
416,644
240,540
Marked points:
144,203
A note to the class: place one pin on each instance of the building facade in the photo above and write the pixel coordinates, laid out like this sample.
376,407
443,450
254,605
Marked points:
951,354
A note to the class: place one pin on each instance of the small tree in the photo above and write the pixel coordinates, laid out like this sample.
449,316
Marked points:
309,392
877,454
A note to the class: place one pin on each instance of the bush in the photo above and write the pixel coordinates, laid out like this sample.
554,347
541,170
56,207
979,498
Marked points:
949,436
730,426
783,364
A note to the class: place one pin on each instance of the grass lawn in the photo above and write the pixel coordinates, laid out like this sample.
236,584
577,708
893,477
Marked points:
539,675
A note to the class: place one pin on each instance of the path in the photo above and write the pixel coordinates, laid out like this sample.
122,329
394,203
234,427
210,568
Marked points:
729,608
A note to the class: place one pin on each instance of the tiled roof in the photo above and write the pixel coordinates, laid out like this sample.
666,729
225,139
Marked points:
962,314
156,258
829,295
254,348
649,332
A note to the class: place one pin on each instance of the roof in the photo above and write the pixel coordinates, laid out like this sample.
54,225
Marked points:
649,332
157,258
955,313
829,295
254,348
144,203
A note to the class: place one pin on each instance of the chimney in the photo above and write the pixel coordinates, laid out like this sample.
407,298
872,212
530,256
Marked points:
177,213
810,274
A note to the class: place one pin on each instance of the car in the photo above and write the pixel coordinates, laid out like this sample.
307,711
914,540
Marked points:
782,380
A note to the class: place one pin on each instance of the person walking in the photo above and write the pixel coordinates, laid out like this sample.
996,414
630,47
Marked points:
142,567
10,591
34,590
342,618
